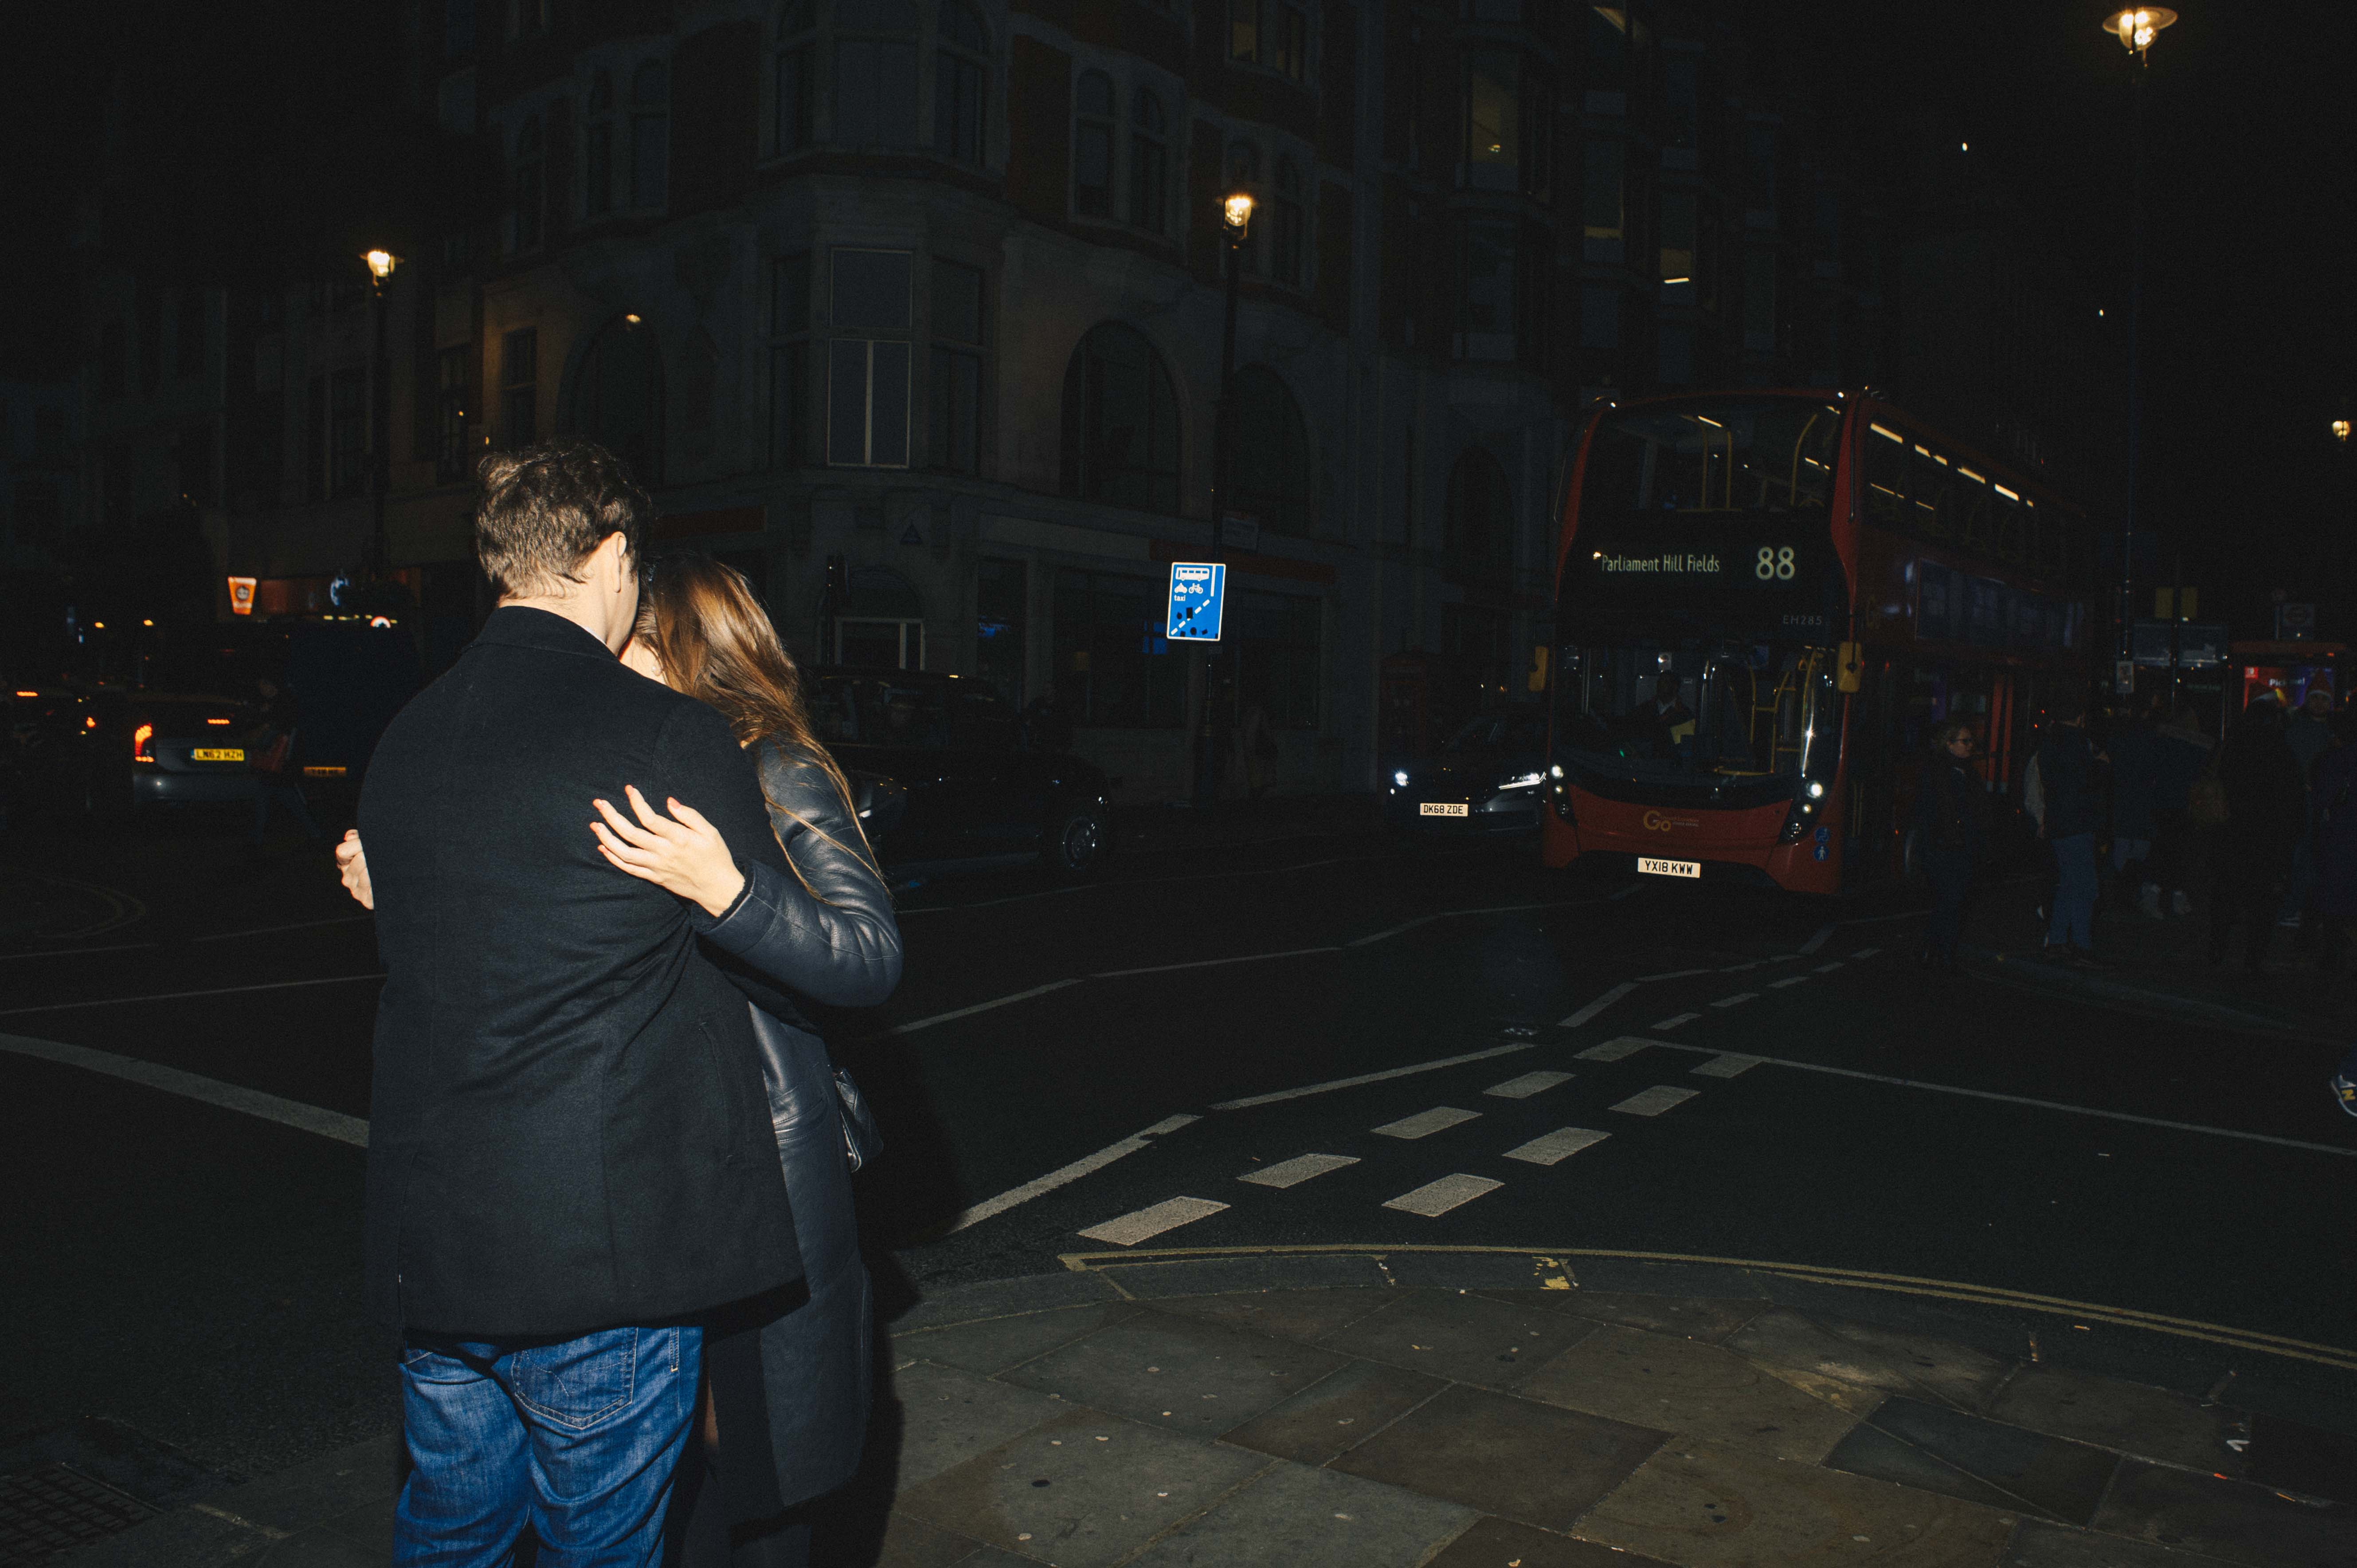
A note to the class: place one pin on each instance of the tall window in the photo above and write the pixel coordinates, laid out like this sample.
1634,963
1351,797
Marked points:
1092,145
530,183
1760,168
520,387
189,335
1113,666
650,135
796,98
1271,452
1493,119
1478,528
348,433
1607,47
789,325
1603,190
458,29
1272,33
875,75
618,397
454,395
1000,622
1485,307
1680,238
597,147
866,372
1290,222
1681,101
961,67
1150,162
955,425
1121,422
1277,657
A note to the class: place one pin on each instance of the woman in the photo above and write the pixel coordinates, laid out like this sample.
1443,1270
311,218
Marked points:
789,1389
1948,816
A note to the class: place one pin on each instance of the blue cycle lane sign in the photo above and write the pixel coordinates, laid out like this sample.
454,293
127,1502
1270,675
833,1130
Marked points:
1199,591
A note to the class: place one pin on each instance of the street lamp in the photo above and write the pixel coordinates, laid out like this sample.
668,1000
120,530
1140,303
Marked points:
2135,28
1235,225
379,265
2340,431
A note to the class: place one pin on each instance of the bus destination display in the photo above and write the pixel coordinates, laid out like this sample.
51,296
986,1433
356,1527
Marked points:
1738,577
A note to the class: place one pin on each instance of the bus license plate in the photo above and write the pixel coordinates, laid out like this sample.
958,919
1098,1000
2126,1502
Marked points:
1441,808
1669,868
217,754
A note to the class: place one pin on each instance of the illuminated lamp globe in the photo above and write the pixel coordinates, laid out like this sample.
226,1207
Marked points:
2340,431
381,264
2137,26
1236,212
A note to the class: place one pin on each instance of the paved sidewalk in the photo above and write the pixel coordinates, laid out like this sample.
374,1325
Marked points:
1474,1410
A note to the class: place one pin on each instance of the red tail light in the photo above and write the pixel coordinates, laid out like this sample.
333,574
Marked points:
139,739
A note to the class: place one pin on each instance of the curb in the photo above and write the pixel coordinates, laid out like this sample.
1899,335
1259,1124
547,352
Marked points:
2194,1009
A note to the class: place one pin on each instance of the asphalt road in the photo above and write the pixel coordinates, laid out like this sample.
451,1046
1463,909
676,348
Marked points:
1334,1039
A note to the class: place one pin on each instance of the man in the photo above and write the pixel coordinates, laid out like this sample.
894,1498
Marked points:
2066,772
570,1156
1666,720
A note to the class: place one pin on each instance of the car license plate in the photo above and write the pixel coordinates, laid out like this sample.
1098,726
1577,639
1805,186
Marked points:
1669,868
1441,808
218,754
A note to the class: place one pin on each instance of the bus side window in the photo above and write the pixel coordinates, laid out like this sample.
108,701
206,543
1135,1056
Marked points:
1886,481
1928,495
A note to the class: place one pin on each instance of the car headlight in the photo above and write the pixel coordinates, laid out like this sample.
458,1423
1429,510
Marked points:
1520,781
1400,777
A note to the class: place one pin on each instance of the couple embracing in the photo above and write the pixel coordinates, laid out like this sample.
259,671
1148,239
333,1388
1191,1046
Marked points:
608,1197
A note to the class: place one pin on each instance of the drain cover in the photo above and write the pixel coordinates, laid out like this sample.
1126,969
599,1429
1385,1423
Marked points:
49,1508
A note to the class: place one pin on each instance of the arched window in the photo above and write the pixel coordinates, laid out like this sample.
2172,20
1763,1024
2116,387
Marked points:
1244,174
530,183
1286,230
876,74
1092,145
960,68
796,102
1121,422
618,397
1272,448
1150,162
597,148
1479,526
650,135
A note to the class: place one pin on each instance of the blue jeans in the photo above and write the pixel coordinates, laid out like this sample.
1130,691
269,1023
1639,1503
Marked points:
2074,919
575,1438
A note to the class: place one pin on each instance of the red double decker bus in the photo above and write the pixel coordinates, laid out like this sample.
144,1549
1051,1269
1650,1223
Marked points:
1764,601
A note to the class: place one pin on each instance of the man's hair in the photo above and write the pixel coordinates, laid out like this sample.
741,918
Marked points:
548,507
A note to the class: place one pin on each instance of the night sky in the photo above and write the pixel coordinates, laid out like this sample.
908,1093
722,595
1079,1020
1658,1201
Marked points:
2249,306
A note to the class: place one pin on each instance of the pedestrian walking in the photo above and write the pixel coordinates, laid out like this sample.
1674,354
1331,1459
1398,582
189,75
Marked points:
571,1162
2067,763
1950,822
277,772
2266,802
2180,754
2335,830
2134,745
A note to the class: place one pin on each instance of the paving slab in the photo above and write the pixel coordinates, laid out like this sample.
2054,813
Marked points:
2152,1424
2303,1460
319,1549
1683,1386
2040,1545
1336,1413
1854,1365
2057,1477
994,1344
949,1416
1503,1543
1178,1372
1456,1334
1084,1490
998,1298
1149,1280
911,1543
1504,1455
1292,1516
1705,1505
2231,1520
1303,1314
1873,1453
1709,1319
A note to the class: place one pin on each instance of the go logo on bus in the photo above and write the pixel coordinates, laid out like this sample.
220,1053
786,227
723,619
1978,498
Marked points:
1774,565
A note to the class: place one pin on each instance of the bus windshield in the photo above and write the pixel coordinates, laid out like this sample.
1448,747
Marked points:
1700,712
1720,455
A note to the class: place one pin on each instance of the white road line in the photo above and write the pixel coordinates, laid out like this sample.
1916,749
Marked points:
185,996
1737,1000
1251,1100
1826,968
1731,1064
1614,1050
1552,1148
1425,1123
1673,975
1673,1021
75,952
190,1086
1788,980
1742,967
1207,963
1866,952
1298,1169
1530,1083
1146,1223
1395,930
1084,1166
1435,1198
1598,1005
911,1028
1655,1100
273,930
1817,940
2344,1153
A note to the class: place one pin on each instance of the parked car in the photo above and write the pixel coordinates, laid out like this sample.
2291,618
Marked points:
1485,778
109,752
967,794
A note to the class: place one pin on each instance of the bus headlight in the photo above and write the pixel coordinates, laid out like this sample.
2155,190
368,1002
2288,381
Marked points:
1816,790
1520,781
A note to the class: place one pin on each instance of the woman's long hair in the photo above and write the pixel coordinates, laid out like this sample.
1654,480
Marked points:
716,644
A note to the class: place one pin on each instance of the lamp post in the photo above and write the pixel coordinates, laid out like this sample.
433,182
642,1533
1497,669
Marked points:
1235,224
2135,28
379,265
